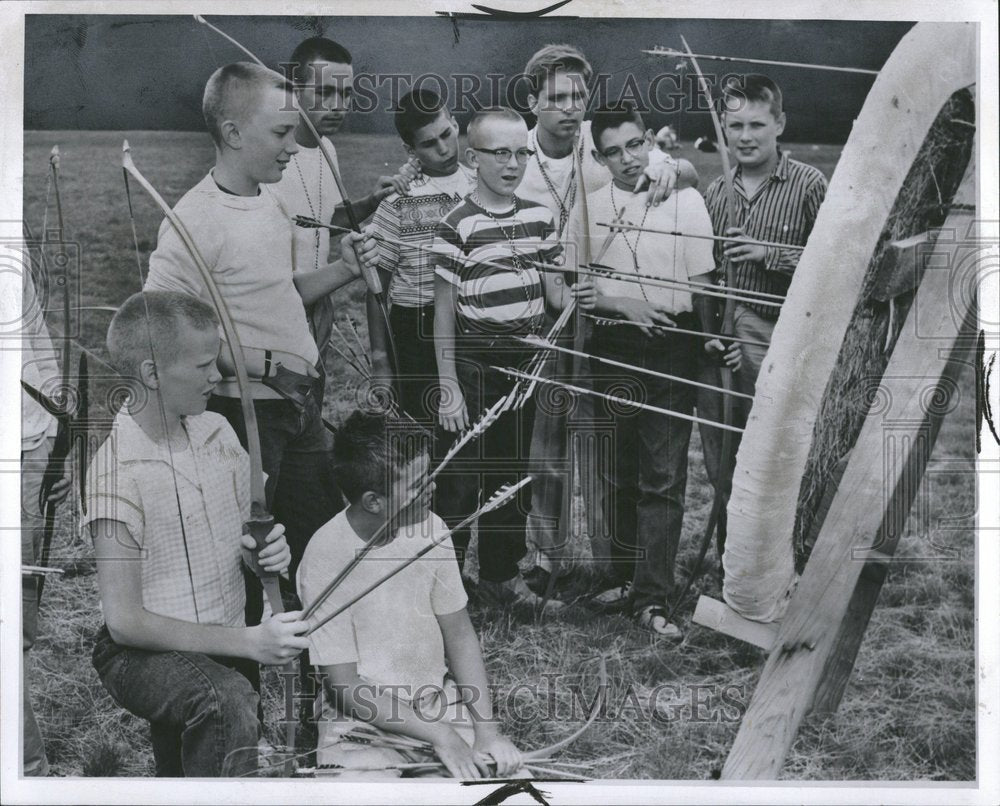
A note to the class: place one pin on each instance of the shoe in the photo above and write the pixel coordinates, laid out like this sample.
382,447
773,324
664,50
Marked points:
515,593
537,579
612,599
654,619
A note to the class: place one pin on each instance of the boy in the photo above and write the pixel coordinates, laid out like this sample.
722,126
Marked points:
558,79
241,230
168,493
478,306
777,199
322,71
404,658
648,474
430,136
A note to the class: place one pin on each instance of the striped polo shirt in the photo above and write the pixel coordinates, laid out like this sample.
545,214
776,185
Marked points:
486,255
783,209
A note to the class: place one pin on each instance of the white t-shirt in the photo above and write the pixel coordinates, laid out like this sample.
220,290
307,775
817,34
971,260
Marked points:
666,256
247,243
307,188
392,634
559,172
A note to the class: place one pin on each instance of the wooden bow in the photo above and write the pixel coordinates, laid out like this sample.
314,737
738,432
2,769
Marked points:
261,521
368,273
714,525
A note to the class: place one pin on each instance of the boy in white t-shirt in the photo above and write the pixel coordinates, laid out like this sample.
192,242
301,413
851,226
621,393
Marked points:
559,76
238,226
405,658
648,474
322,72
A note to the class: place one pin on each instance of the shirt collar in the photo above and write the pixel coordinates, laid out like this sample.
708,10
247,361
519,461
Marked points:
779,174
136,446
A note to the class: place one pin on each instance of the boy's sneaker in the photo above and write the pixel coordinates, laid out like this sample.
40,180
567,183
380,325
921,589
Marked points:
654,619
613,599
515,593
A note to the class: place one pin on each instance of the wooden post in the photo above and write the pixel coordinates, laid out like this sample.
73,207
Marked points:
828,611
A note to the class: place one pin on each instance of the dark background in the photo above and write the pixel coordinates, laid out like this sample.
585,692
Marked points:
148,72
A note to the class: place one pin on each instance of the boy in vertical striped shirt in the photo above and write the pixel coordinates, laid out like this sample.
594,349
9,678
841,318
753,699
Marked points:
487,291
777,199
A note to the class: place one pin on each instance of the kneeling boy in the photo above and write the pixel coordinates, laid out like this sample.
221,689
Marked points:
405,658
169,492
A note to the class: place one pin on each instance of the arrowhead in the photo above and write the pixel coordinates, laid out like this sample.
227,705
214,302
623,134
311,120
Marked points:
199,18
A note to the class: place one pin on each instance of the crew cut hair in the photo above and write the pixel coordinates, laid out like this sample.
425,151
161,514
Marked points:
612,116
371,449
551,58
416,109
484,117
233,92
153,321
314,49
752,87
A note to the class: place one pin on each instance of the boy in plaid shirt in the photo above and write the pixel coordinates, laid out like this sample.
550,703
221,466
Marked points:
168,493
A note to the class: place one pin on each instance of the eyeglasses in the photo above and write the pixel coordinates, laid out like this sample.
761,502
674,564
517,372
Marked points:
502,155
633,148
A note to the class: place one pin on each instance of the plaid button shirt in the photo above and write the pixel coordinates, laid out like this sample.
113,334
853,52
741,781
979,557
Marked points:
191,568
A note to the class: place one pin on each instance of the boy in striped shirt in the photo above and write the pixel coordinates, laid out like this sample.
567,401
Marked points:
487,292
777,199
405,227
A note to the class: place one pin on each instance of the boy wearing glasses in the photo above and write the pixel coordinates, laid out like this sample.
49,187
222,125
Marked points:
648,475
487,293
559,78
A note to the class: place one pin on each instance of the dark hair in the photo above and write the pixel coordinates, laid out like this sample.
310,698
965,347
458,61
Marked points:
371,448
752,87
316,48
153,320
611,117
416,109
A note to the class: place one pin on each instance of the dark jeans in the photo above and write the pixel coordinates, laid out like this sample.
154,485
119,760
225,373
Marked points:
202,710
296,451
417,374
500,456
648,475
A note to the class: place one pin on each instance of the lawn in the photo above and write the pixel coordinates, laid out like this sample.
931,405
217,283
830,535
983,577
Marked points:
672,711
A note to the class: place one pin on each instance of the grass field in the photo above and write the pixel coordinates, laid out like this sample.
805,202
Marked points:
672,711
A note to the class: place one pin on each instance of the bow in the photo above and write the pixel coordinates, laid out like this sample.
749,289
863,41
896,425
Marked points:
261,521
64,407
714,525
368,273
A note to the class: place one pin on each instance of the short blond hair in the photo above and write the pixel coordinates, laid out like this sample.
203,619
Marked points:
482,119
233,92
151,320
551,58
